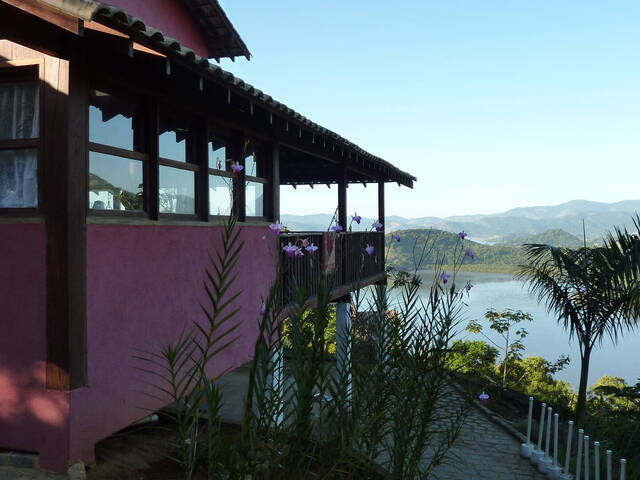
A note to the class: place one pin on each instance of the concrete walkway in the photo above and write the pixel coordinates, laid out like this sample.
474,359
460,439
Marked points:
484,450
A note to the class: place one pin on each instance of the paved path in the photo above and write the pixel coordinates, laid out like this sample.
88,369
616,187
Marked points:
484,450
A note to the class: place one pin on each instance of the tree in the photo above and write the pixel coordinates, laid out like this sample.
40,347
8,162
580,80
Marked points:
501,322
473,357
594,292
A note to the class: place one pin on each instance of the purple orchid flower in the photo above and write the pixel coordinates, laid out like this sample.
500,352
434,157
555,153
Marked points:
378,226
299,252
276,227
462,235
357,218
369,249
290,249
236,167
263,308
305,242
444,277
311,248
395,237
470,253
483,397
337,228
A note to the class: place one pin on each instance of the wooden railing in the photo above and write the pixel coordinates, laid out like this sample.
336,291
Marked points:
350,263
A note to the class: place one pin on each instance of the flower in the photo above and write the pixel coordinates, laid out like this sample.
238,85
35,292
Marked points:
290,249
236,167
311,248
469,286
299,252
469,253
277,227
357,218
483,397
369,249
444,277
263,308
395,237
378,226
462,234
305,242
337,228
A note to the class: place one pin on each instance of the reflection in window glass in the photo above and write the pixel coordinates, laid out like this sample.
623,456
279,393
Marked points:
18,178
19,108
218,154
173,139
111,120
115,183
220,195
251,165
255,199
177,190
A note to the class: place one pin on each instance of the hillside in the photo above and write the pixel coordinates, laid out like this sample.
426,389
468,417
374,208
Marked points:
488,257
555,237
598,219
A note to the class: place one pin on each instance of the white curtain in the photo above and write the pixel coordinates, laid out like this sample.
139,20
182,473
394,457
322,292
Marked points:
19,119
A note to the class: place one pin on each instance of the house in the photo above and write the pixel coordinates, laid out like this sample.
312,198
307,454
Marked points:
117,137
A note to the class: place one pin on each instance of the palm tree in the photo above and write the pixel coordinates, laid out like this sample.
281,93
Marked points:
595,292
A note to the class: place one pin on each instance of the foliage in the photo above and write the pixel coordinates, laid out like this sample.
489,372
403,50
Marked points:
501,322
595,292
473,357
307,330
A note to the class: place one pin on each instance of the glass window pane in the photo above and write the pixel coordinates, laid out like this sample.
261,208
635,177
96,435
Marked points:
220,195
218,154
18,178
251,165
19,110
115,183
255,199
173,139
177,190
113,120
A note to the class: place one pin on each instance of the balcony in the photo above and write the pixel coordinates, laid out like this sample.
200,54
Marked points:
344,254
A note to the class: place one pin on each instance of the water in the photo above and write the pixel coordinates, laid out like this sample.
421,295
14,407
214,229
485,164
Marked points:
546,338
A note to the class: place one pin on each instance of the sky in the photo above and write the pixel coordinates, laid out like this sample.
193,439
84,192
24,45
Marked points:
490,104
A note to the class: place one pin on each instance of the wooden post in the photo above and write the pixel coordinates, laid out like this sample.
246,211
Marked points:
381,213
200,149
275,182
342,197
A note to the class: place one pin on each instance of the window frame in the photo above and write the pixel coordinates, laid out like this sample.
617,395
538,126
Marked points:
257,149
143,157
226,172
33,71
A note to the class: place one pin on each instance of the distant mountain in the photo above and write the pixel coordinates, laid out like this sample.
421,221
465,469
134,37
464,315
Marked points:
555,237
598,219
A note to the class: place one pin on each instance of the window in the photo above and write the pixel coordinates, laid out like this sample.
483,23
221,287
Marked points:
116,156
255,181
220,176
19,134
178,166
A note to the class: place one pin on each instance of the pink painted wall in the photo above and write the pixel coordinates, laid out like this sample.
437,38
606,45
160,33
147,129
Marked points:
31,418
171,17
144,284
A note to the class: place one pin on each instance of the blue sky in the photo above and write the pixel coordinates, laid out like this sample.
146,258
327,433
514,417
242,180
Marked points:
491,104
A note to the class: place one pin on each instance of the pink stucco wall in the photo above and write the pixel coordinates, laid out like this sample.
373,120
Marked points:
144,284
31,418
171,17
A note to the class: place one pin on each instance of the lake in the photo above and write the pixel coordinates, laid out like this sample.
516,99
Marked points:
546,338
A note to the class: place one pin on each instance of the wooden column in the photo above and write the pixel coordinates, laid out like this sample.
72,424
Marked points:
342,197
63,157
381,214
202,178
152,170
275,182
